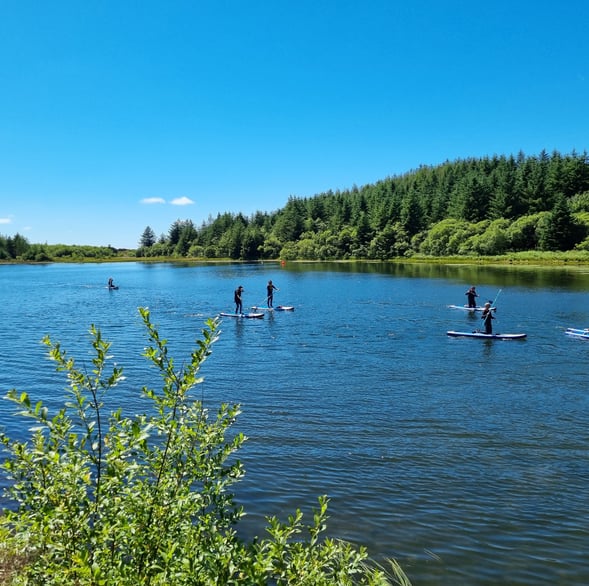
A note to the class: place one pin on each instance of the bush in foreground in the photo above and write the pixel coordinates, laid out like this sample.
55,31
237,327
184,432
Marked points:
111,499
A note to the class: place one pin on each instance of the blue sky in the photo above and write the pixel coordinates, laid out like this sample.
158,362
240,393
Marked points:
134,113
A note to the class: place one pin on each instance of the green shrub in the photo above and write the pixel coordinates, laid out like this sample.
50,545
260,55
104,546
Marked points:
111,499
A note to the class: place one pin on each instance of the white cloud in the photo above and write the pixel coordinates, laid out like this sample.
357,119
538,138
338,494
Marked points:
178,201
5,221
151,200
182,201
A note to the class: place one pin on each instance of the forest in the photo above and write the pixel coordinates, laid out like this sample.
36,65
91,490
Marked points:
469,207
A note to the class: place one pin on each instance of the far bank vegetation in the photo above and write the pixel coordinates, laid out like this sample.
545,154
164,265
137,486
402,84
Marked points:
473,207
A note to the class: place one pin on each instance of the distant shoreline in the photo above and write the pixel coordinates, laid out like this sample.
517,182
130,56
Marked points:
557,259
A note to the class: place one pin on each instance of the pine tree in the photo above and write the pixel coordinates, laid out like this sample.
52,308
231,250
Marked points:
561,231
147,238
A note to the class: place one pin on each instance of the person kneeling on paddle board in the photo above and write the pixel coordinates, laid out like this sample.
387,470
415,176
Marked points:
488,318
237,299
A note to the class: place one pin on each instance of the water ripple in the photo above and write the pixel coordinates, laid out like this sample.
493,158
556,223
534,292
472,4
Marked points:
467,460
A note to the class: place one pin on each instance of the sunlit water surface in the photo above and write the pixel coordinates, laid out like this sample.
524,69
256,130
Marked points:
464,459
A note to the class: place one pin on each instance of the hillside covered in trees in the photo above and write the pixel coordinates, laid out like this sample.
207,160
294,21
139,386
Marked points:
484,206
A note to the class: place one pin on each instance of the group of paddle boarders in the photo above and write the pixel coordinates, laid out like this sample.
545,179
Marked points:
487,316
270,288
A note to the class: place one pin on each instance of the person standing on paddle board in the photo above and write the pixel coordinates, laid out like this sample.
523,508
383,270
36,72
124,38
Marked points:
237,299
471,295
488,318
270,288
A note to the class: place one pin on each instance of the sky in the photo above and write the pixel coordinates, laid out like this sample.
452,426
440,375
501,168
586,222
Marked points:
118,115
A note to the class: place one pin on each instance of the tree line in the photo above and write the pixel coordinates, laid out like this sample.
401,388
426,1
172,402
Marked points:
18,247
476,206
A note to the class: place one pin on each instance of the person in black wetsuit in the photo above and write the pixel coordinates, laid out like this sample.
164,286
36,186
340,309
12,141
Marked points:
471,295
270,288
488,318
237,299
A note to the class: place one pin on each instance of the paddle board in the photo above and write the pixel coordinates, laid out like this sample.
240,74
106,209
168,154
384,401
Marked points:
487,336
577,333
244,315
277,308
111,288
466,308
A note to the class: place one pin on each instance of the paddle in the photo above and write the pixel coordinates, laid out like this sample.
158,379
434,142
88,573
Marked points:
495,300
264,301
491,309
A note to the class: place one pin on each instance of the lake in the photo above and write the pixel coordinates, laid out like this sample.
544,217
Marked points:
464,459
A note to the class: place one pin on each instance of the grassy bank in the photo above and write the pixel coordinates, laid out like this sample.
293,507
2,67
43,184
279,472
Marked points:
570,258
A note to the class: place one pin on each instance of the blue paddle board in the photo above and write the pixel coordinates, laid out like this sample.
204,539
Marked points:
471,309
486,336
244,315
577,333
277,308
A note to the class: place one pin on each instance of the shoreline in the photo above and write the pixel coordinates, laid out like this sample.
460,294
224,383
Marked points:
556,259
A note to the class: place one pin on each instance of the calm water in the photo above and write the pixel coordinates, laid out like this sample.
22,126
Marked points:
464,459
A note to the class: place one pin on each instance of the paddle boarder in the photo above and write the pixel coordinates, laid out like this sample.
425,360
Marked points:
111,284
488,318
270,288
237,299
471,295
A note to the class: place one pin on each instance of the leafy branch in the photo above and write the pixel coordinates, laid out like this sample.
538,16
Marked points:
111,499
